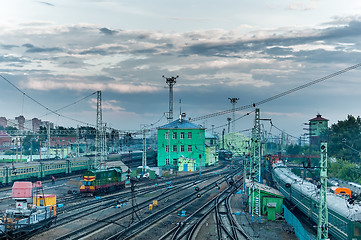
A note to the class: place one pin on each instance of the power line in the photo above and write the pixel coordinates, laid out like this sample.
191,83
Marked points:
280,94
48,109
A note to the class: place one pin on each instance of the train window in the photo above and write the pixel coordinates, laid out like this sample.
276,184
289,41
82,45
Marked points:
357,231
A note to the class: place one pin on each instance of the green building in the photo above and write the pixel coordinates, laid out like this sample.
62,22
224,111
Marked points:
317,126
210,149
237,143
181,138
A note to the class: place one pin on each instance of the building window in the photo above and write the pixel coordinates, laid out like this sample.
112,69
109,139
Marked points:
182,135
167,162
174,148
167,135
190,135
174,135
167,148
175,160
189,148
182,148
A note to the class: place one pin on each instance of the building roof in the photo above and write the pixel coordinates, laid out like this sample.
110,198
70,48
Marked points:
181,124
265,189
209,135
318,118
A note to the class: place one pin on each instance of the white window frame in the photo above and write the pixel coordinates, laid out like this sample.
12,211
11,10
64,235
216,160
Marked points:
182,148
189,135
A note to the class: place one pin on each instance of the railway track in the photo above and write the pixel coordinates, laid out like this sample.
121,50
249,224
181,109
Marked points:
227,227
95,207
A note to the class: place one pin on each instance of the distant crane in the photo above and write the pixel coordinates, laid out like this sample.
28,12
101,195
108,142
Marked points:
171,81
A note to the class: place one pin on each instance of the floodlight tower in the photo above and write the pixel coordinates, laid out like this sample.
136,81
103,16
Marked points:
322,226
171,81
233,101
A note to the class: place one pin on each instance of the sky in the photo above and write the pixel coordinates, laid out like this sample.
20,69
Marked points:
56,54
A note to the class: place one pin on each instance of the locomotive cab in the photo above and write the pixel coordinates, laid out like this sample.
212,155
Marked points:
88,183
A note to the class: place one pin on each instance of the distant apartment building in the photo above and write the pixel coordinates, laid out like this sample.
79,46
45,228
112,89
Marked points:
5,141
22,124
3,122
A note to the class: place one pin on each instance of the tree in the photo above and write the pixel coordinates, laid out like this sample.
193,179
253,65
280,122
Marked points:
344,139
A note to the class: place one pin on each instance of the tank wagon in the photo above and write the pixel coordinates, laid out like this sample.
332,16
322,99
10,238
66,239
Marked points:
344,218
101,181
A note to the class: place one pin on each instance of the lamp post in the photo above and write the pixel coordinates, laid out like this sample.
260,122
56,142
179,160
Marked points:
200,164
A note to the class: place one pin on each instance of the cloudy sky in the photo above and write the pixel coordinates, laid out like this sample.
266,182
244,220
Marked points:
60,51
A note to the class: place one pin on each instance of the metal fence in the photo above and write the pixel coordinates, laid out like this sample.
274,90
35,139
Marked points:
300,231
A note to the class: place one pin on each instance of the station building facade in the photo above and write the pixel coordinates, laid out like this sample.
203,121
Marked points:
181,139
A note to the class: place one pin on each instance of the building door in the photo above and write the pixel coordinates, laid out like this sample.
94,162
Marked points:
185,167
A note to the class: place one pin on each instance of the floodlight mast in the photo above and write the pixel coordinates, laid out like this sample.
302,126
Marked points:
170,81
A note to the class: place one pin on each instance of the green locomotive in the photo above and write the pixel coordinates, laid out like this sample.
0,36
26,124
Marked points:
100,181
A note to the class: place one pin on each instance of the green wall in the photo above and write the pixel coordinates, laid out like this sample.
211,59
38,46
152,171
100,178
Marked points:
197,142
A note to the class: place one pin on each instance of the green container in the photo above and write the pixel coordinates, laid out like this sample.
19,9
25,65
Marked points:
271,211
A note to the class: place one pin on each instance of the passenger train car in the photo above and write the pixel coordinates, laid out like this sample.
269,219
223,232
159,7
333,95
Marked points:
344,218
39,170
36,170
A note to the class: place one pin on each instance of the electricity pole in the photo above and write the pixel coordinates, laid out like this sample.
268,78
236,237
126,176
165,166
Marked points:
233,101
322,226
98,132
255,169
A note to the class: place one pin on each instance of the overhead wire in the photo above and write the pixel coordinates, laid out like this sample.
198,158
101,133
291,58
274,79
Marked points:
48,109
280,94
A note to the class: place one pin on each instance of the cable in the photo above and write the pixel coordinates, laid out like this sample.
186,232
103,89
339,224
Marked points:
52,111
235,119
283,131
280,94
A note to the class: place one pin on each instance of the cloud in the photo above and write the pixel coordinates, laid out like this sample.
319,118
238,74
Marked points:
46,3
213,65
107,31
107,105
32,49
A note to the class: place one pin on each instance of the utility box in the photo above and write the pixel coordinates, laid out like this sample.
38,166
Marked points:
22,190
271,211
45,200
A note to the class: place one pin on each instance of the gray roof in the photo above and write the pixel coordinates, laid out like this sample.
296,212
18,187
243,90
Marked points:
210,135
183,124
